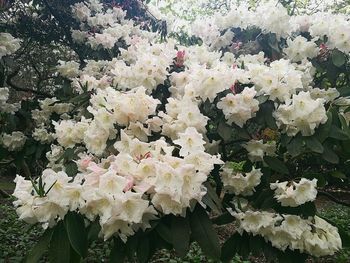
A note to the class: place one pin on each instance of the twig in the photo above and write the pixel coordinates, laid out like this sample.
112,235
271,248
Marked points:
4,194
14,86
334,199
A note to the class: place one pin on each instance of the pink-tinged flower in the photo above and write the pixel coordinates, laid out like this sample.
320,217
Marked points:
233,87
180,58
323,46
145,156
129,184
237,45
83,163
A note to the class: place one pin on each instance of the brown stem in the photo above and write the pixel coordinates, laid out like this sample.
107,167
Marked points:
4,194
332,198
15,87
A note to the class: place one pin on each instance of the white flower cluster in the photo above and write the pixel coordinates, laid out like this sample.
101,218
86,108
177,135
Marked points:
299,48
238,108
49,106
280,80
125,191
8,44
314,236
257,149
103,28
301,114
4,105
273,18
68,69
42,135
294,194
14,141
240,183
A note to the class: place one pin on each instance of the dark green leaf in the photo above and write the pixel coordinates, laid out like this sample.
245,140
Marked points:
223,219
71,169
338,134
59,250
329,155
229,248
314,144
276,165
323,131
295,146
131,247
225,131
164,232
77,233
204,233
143,249
180,230
118,251
338,174
338,58
40,248
94,230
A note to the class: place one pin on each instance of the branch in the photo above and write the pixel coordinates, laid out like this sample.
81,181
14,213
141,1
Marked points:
4,194
334,199
14,86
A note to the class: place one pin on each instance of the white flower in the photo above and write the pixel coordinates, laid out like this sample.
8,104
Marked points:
8,44
299,48
240,183
190,141
257,149
295,194
302,113
240,107
14,141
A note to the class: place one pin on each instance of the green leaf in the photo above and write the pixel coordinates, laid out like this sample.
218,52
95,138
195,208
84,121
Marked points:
329,155
276,165
211,198
77,233
225,131
338,58
314,144
295,146
39,248
338,174
180,230
204,233
59,250
223,219
323,131
94,230
118,251
338,134
143,250
229,248
71,169
164,232
131,247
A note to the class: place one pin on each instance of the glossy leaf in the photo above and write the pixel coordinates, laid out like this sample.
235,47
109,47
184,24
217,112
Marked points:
204,233
276,165
180,232
77,233
59,249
